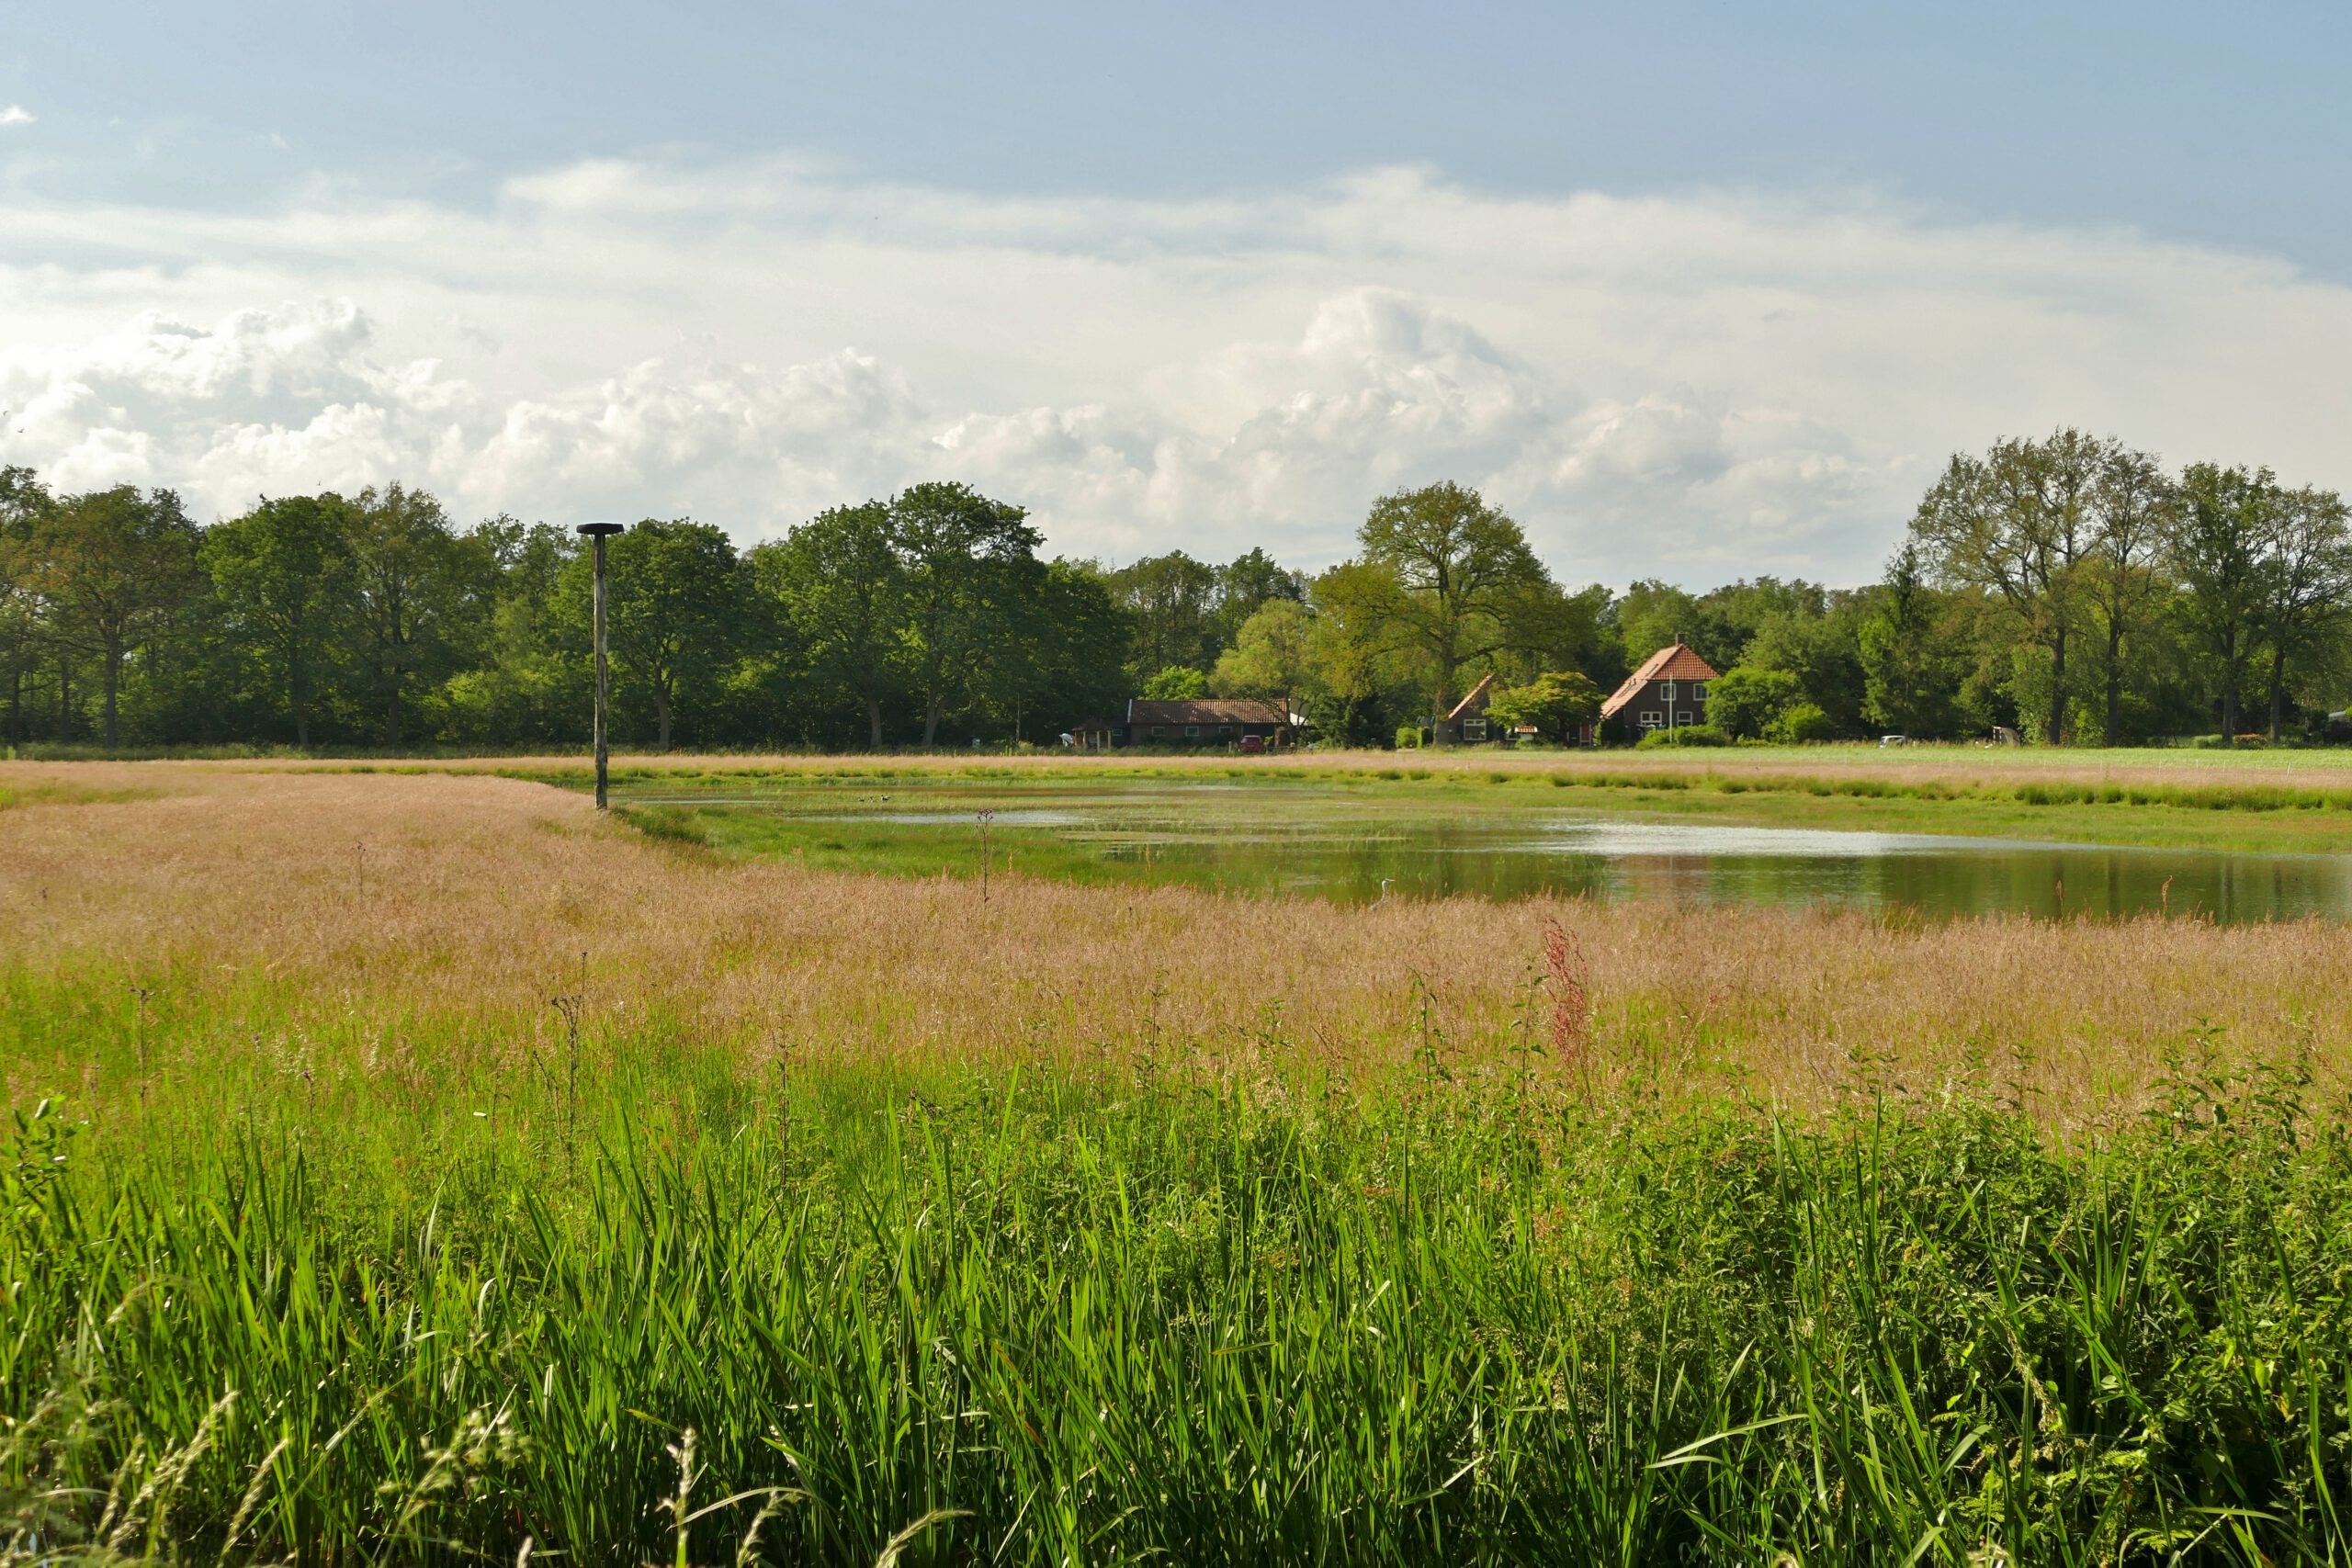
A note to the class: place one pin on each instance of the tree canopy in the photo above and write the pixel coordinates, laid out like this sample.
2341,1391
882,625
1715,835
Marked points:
2069,586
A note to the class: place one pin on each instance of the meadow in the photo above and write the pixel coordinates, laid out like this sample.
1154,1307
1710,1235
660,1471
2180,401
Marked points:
416,1165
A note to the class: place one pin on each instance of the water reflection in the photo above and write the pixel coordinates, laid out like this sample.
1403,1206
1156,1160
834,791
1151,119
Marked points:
1347,847
1705,863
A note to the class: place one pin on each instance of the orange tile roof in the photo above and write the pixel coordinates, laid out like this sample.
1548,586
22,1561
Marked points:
1673,662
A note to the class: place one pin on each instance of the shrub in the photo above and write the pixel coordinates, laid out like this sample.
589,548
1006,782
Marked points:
1798,724
1689,734
1408,737
1746,702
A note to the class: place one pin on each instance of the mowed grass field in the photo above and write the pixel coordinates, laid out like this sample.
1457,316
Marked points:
415,1164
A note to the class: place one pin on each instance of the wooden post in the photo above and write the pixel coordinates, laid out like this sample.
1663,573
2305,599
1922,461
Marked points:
597,534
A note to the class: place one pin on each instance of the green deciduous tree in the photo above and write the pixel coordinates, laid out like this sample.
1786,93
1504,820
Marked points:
283,575
842,585
1353,650
1556,704
1461,579
2306,581
1247,584
2018,524
408,583
1912,667
1173,599
530,675
972,573
1743,702
22,497
2132,503
112,570
2214,545
1066,662
1176,683
674,608
1272,656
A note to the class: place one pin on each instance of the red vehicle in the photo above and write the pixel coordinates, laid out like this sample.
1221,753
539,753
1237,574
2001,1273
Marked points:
1254,743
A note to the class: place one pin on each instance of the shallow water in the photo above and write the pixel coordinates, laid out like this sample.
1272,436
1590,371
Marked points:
1353,845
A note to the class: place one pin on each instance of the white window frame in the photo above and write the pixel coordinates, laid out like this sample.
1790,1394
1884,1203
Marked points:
1698,691
1192,732
1653,719
1683,716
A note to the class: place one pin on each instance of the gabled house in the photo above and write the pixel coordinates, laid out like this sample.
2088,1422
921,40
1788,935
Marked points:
1669,691
1211,721
1467,722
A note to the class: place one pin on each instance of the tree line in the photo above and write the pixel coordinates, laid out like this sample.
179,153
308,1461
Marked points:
2070,588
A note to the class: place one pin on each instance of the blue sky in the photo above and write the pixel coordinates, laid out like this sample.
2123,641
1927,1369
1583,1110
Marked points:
1696,289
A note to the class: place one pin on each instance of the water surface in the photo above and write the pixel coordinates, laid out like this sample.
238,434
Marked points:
1360,844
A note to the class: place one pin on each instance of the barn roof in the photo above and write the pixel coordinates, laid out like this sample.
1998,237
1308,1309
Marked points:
1210,710
1673,662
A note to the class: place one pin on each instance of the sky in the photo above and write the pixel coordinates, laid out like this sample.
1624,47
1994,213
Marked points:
1694,291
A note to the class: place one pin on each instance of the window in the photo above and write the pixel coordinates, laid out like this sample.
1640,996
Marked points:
1475,728
1683,717
1159,731
1192,732
1653,719
1225,730
1698,691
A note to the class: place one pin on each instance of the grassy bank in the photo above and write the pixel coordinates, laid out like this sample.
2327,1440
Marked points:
428,1158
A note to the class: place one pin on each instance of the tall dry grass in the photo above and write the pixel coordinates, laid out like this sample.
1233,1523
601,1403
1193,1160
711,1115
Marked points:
373,912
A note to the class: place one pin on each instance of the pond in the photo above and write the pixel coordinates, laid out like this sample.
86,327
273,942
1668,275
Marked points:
1361,844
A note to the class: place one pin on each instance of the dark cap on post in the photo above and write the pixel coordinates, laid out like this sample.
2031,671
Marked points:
597,530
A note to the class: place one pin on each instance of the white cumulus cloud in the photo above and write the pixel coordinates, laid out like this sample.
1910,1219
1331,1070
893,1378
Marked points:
1691,387
15,114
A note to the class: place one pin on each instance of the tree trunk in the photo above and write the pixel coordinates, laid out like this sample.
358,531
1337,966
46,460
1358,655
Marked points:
392,718
661,712
930,720
874,722
297,700
2229,692
113,662
2278,688
2114,678
2057,733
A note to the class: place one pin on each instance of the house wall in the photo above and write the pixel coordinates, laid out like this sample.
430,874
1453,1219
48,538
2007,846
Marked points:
1688,708
1211,734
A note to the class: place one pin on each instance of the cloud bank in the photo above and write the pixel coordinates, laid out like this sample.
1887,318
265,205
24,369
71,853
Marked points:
1693,387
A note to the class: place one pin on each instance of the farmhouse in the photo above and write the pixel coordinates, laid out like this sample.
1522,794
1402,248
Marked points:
1668,692
1469,721
1211,721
